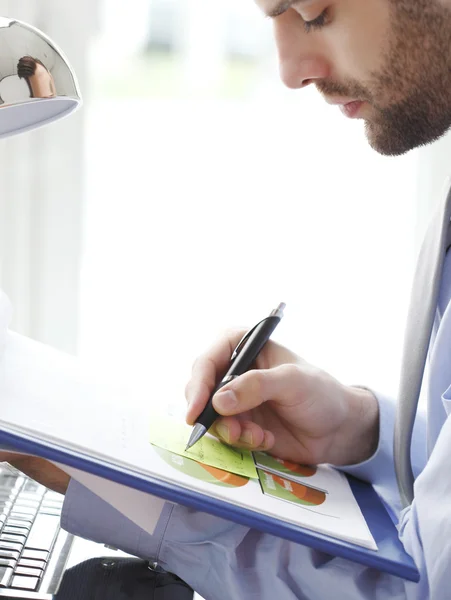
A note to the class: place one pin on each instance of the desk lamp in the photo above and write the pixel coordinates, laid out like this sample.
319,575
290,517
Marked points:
37,84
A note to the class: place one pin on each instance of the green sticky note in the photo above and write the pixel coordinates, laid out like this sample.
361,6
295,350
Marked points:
172,434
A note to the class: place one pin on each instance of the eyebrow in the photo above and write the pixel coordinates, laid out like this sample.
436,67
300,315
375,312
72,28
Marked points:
281,8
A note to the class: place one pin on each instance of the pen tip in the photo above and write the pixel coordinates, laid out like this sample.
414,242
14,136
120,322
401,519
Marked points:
198,431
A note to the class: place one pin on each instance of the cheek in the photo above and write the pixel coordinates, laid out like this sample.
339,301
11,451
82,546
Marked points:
355,58
358,39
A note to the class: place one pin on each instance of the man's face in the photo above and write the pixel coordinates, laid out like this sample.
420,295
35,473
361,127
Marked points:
385,61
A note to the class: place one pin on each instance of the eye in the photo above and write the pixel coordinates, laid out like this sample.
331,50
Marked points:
317,23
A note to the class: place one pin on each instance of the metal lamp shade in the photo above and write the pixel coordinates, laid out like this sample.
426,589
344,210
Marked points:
37,84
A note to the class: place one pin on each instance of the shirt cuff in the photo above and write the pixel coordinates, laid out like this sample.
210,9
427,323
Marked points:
374,469
86,515
379,469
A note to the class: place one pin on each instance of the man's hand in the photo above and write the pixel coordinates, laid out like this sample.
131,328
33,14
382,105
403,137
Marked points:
38,469
285,406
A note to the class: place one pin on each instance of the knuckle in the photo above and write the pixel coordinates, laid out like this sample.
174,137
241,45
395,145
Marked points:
290,371
251,385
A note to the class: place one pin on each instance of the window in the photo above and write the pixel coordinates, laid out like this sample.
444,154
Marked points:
213,194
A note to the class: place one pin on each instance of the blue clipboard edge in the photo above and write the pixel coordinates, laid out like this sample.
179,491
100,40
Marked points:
390,558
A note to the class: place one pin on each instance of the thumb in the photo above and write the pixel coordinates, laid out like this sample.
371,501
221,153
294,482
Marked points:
253,388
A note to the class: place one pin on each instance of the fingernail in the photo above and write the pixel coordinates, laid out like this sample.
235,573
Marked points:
226,401
247,438
223,431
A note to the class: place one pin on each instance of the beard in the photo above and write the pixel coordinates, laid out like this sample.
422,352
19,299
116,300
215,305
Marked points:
410,97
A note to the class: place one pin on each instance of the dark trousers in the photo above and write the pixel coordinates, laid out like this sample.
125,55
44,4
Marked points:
121,579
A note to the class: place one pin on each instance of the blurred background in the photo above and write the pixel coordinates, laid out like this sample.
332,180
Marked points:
193,193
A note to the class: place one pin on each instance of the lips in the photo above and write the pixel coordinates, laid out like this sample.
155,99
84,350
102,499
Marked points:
351,109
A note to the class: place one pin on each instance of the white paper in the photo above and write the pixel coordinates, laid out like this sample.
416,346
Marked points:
45,395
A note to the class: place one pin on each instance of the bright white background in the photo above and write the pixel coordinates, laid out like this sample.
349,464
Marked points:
213,194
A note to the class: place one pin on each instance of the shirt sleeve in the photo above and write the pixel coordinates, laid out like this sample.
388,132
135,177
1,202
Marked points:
425,526
86,515
379,469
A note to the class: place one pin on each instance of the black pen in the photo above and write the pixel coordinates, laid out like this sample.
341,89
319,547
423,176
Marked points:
241,361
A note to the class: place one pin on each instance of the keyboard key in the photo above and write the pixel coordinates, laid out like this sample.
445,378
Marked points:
15,530
6,501
12,485
10,546
56,501
7,486
4,562
13,537
21,517
32,496
26,523
6,574
38,554
33,486
11,482
28,571
50,495
43,532
55,512
22,582
23,502
23,510
4,510
30,562
9,554
5,494
51,505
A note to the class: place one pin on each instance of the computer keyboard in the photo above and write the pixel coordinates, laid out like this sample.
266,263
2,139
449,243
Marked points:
34,553
33,547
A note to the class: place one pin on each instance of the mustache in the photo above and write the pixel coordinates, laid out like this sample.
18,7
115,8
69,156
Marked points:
350,89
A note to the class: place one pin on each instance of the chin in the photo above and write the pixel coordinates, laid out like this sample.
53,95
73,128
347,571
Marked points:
397,136
388,141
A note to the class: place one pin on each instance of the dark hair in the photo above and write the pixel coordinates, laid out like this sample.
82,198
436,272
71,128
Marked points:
26,67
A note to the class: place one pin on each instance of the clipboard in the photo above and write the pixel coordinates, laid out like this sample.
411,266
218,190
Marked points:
390,556
49,410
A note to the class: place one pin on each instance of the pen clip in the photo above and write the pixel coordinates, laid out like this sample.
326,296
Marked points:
243,340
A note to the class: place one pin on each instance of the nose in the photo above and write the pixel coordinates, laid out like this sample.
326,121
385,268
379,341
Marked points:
301,59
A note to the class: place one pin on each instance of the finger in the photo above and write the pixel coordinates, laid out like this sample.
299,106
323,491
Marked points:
248,391
206,371
227,429
197,398
247,435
